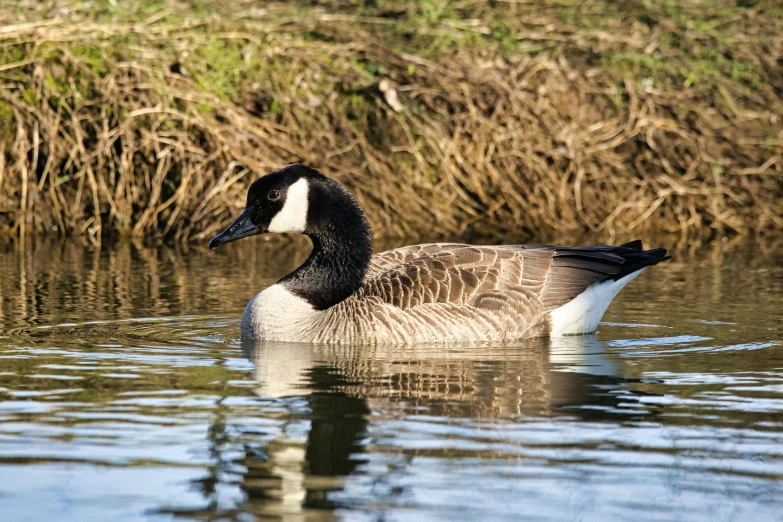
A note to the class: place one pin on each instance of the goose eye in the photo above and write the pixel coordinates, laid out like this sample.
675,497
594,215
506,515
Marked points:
274,195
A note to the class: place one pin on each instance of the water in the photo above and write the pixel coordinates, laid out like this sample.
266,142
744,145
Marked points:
126,395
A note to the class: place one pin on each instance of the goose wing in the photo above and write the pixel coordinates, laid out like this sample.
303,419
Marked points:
504,289
383,261
459,274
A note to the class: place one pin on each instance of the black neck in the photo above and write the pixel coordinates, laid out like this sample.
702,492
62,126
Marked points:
342,248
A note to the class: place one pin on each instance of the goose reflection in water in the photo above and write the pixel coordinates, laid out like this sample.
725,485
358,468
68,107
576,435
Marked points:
341,389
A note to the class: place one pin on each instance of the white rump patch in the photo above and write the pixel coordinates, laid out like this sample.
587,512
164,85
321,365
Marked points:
293,216
582,314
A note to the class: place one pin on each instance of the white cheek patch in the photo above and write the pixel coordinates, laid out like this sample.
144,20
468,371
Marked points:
293,216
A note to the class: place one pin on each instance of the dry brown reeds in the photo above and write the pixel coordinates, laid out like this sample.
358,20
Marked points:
496,119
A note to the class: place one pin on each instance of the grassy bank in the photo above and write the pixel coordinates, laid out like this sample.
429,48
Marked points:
500,117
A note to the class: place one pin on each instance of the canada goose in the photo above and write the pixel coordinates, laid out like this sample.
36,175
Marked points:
343,293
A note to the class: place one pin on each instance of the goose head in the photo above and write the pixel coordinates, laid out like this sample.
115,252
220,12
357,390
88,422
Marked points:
294,199
299,199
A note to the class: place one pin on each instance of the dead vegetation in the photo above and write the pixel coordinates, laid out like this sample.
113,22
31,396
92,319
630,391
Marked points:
501,118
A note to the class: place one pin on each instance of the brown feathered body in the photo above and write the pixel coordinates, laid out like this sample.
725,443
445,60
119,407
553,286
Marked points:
457,293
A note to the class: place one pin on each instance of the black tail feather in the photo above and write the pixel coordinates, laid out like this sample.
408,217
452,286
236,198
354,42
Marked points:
638,259
615,262
633,245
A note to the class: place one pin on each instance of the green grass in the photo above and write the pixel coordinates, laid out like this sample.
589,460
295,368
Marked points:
307,74
694,46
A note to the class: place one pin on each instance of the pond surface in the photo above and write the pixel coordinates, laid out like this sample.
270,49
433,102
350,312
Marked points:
126,395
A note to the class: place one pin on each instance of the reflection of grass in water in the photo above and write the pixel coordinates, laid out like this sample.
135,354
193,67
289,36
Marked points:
502,404
520,117
155,366
199,296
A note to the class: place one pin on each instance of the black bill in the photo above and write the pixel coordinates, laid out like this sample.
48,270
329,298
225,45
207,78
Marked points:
241,227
